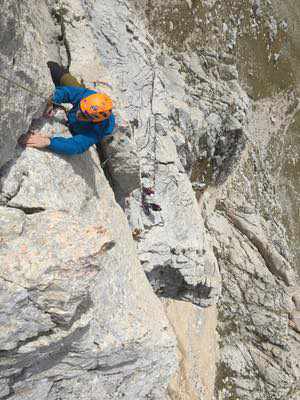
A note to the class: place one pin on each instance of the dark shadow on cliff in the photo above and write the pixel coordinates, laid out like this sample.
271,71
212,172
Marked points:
168,282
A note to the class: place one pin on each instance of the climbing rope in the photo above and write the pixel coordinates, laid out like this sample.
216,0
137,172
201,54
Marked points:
34,93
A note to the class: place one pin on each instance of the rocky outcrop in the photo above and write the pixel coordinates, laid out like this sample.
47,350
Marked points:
79,317
176,126
26,43
77,312
259,346
253,318
256,308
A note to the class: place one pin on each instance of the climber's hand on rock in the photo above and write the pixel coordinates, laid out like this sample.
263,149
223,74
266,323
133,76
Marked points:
34,140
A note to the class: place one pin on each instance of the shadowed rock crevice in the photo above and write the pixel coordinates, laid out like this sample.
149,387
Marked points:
45,358
29,210
228,151
106,368
58,16
168,282
214,126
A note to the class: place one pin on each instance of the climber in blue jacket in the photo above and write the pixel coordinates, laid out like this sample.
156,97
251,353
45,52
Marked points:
89,121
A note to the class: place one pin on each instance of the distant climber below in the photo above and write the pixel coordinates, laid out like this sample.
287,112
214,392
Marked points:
89,121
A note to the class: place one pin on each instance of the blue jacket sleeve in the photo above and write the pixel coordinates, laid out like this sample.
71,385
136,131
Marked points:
70,94
74,145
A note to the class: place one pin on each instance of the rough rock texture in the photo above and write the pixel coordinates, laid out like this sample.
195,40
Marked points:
256,358
168,104
259,343
75,305
258,321
26,43
196,334
122,163
78,316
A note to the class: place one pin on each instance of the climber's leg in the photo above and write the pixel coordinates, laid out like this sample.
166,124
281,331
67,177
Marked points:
61,76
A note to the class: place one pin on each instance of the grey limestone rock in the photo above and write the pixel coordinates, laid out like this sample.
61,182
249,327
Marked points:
228,72
34,182
255,230
11,222
78,316
75,302
176,124
121,157
16,307
25,45
296,300
4,388
295,318
256,357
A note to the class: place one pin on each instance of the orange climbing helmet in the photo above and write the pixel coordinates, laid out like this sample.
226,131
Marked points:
97,106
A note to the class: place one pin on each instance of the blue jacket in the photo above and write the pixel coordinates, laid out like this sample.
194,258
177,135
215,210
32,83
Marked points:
84,133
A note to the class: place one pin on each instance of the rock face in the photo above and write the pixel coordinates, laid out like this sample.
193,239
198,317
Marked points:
79,318
176,127
196,334
257,360
77,311
26,43
259,346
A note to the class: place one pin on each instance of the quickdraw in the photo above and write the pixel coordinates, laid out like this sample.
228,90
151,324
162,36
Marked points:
147,206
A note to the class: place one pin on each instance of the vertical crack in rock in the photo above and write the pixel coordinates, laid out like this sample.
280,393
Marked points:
58,16
149,102
92,325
